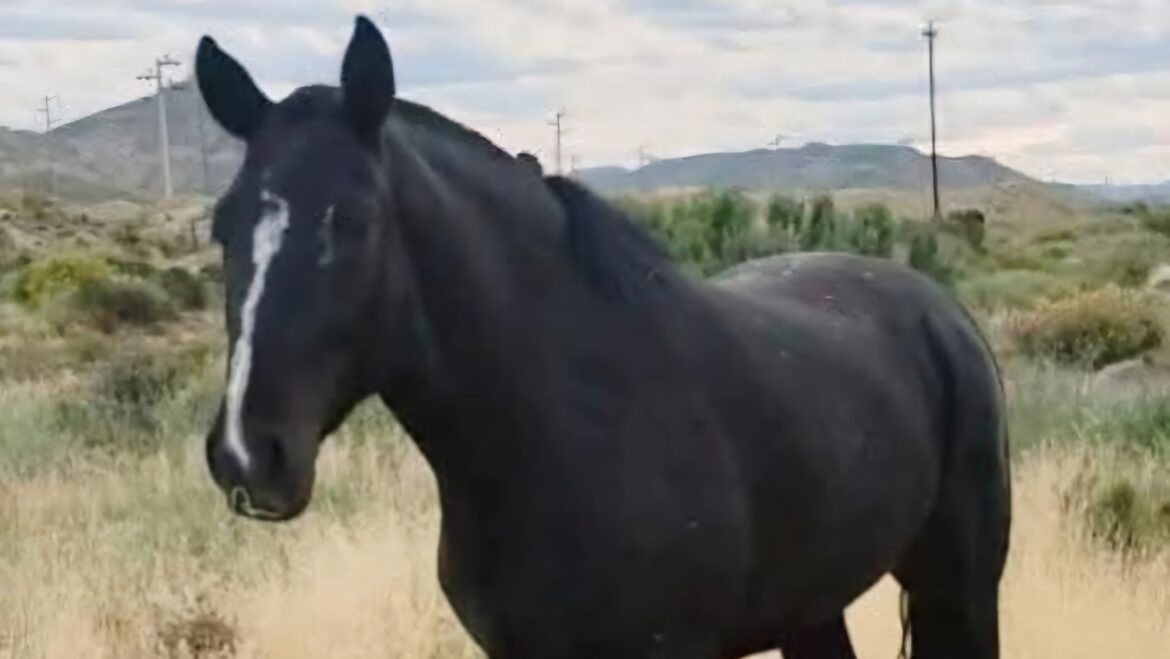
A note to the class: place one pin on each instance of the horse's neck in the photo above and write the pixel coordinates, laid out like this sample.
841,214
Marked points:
476,281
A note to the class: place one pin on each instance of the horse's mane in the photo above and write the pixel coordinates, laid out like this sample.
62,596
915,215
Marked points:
614,253
617,255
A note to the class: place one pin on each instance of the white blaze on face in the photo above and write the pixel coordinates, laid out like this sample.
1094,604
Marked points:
266,240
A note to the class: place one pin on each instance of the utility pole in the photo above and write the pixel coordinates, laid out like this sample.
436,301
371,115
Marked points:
156,76
559,124
931,33
47,110
200,122
643,157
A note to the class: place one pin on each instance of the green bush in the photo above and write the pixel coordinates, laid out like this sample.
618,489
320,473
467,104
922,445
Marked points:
1130,269
872,231
784,215
1055,236
1092,329
1013,289
40,281
12,257
134,268
184,288
923,254
119,409
1056,252
1156,220
970,224
1128,261
212,273
37,205
1128,519
819,232
1016,260
108,305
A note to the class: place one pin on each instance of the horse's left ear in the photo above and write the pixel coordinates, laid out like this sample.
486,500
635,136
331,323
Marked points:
367,79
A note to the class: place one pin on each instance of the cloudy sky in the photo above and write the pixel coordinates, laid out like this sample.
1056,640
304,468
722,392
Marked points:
1076,90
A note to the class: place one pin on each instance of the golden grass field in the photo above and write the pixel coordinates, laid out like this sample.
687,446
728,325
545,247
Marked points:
141,559
115,544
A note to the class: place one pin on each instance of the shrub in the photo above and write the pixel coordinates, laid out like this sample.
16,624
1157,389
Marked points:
872,231
37,205
1127,519
1055,236
820,230
1092,329
1013,289
118,410
1057,252
212,273
134,268
42,280
923,253
107,305
721,222
970,224
11,256
184,288
1157,221
784,215
1014,260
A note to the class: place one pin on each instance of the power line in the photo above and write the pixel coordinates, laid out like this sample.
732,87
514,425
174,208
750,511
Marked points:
931,33
47,110
156,76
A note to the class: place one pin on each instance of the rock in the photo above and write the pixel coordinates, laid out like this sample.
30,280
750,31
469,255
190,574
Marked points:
1145,372
1159,280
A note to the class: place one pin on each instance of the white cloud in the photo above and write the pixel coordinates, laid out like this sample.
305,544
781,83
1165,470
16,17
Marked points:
1074,90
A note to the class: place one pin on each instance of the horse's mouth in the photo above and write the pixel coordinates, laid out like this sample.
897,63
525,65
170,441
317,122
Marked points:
241,504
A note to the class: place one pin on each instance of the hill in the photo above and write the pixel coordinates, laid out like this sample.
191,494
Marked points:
1127,194
114,154
813,166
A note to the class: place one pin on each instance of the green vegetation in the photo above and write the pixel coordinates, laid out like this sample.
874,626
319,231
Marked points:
1091,329
713,231
110,305
42,280
112,364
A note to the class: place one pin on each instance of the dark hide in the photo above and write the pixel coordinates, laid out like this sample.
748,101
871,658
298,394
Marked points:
631,463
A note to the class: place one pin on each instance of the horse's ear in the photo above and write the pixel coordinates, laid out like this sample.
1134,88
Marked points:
367,78
231,96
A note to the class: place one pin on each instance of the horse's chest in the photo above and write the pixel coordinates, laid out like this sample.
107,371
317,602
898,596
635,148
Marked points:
609,565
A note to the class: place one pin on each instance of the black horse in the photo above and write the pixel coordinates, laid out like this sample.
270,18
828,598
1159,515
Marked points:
631,463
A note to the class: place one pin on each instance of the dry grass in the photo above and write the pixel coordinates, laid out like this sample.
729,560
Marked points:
135,560
1061,597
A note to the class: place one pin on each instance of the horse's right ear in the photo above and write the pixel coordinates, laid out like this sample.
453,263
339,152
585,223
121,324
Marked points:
231,96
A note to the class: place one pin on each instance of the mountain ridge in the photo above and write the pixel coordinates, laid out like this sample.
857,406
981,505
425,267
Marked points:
114,154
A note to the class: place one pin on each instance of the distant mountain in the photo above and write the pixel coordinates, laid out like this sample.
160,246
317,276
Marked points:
1127,194
811,167
115,153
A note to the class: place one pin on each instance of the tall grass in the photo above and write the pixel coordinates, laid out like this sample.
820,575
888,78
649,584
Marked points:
133,554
